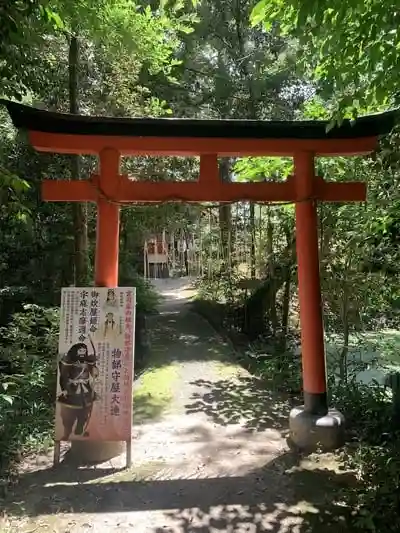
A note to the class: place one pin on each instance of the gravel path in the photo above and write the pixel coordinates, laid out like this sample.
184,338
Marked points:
214,460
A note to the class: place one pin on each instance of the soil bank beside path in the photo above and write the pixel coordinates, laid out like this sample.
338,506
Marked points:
209,451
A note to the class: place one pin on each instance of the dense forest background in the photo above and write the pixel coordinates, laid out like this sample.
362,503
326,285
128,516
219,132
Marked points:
208,59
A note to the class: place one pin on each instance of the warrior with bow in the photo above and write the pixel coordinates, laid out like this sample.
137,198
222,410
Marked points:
77,372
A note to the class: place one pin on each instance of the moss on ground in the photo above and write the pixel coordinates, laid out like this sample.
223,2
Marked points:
153,393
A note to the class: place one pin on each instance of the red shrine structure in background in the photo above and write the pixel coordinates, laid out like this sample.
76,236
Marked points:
112,138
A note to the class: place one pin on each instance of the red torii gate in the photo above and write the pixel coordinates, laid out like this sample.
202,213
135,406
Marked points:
111,138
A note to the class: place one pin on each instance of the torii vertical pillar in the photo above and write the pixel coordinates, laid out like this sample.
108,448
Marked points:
107,237
106,275
313,424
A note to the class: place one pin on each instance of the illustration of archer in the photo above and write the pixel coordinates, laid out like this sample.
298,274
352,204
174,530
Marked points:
77,372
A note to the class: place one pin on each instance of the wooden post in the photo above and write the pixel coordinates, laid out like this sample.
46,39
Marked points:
107,237
173,253
56,453
145,260
107,244
312,332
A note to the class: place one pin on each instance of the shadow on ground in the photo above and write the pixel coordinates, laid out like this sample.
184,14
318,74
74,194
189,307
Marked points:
148,408
281,497
183,328
244,400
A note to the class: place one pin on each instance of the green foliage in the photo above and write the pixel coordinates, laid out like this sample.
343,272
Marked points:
222,288
147,299
229,69
374,503
12,194
268,169
281,369
263,168
21,22
350,50
28,353
115,26
13,188
372,456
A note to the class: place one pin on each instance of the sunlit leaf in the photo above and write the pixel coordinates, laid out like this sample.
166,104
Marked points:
6,398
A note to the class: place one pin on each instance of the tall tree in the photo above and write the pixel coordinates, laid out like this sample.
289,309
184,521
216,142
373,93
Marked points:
106,74
231,70
81,258
350,49
113,27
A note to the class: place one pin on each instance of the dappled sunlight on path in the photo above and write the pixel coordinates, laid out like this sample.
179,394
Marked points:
174,289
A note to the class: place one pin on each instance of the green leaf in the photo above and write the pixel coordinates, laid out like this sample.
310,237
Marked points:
258,13
7,398
186,29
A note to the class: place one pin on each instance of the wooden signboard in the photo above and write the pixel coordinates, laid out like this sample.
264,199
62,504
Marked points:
95,364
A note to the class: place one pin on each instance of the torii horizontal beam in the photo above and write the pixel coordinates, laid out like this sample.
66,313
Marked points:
127,191
120,189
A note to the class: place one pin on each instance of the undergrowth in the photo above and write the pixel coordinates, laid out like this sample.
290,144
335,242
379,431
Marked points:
28,381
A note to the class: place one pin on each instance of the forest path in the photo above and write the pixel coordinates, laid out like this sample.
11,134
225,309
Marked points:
209,451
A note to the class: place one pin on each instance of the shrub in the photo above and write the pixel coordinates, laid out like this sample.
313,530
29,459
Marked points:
283,369
28,380
146,297
12,300
375,503
375,459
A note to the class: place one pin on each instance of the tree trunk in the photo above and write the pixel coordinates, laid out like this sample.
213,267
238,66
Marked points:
123,231
286,295
285,308
252,241
81,260
260,259
225,216
271,273
346,335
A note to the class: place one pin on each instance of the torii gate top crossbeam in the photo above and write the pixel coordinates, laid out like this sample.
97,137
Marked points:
66,133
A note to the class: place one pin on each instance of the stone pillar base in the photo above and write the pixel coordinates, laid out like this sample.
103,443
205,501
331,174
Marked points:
311,432
84,452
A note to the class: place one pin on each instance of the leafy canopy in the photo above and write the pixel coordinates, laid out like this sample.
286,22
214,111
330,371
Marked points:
351,49
124,26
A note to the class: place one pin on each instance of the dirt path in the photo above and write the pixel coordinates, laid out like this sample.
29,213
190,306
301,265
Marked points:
209,451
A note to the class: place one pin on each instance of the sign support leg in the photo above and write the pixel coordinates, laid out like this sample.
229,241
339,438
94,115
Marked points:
56,453
128,453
